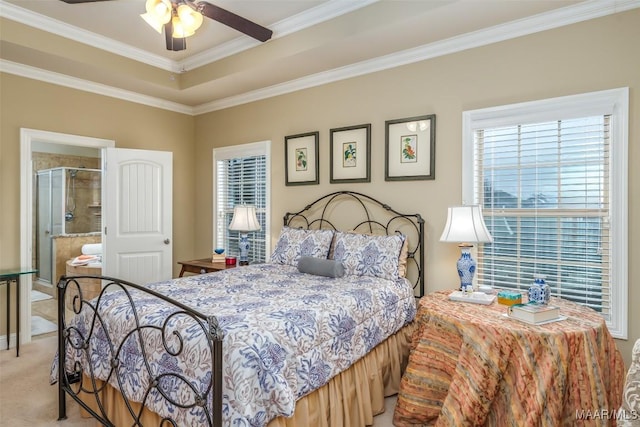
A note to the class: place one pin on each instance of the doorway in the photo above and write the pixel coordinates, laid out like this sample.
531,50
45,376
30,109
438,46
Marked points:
83,153
67,216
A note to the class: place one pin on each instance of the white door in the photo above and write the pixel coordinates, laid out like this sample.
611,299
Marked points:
137,234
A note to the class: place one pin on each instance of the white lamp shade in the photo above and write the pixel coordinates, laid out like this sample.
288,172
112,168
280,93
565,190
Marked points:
158,13
153,21
160,8
190,18
465,225
244,218
179,30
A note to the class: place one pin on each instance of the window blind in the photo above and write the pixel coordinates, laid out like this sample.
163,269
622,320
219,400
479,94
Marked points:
544,188
241,180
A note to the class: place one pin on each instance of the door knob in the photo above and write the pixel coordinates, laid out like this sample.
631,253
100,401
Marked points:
167,241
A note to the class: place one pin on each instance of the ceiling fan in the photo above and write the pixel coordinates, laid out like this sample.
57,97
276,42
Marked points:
181,18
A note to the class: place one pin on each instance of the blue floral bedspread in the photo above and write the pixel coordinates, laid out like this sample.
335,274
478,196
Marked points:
286,334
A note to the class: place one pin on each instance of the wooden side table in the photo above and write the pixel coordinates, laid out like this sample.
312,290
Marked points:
201,266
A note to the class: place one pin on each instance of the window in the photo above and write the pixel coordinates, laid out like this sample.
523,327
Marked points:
241,176
551,177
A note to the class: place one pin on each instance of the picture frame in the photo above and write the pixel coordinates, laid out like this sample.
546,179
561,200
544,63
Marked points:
410,148
350,154
302,159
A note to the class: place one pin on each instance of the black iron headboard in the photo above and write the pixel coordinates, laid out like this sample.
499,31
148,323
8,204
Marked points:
352,211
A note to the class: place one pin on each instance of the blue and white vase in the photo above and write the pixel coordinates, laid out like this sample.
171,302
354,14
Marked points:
244,249
466,269
539,292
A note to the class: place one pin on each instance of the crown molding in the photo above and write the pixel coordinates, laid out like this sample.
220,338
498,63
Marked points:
62,29
561,17
316,15
302,20
321,13
87,86
545,21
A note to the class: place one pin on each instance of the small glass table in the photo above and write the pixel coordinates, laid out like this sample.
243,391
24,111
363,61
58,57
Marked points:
7,276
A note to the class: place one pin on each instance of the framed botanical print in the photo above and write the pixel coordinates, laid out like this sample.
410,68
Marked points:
350,154
301,159
410,148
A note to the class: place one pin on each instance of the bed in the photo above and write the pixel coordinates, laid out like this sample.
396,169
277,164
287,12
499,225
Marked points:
317,336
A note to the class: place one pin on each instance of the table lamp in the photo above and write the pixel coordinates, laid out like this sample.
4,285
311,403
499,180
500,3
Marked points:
465,226
244,220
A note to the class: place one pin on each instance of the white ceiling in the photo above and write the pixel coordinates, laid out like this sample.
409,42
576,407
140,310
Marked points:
105,46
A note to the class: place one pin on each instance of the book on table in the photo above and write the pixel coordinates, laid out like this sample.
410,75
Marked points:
535,313
217,258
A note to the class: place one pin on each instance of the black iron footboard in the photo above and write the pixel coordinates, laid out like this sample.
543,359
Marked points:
76,376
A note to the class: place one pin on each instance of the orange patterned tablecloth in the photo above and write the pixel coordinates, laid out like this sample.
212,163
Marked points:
472,366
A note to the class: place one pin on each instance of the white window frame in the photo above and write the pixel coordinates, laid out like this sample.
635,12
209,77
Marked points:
614,102
261,148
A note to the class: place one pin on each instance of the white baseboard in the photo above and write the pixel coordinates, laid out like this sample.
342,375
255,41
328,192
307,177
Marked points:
3,341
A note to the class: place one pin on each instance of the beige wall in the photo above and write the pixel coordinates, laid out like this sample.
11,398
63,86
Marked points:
36,105
595,55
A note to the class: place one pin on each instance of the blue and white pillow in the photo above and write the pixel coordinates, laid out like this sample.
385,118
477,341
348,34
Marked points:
294,243
367,255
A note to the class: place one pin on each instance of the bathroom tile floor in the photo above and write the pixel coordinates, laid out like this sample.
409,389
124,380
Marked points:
43,311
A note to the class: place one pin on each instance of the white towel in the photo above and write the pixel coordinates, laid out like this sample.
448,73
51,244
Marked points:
92,249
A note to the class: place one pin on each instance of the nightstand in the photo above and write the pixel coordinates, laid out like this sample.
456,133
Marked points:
471,365
201,266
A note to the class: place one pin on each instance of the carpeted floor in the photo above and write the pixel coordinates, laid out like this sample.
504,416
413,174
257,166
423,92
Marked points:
27,399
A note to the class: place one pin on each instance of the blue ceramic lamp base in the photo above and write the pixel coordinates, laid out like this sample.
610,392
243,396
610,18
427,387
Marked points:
244,249
466,268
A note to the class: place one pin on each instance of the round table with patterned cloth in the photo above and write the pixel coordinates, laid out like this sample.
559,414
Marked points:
470,365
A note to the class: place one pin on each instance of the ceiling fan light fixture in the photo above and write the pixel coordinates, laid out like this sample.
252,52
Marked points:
181,18
158,13
190,17
153,21
160,8
186,21
180,30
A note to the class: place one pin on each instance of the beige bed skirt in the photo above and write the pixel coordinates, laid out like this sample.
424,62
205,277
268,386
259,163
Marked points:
350,399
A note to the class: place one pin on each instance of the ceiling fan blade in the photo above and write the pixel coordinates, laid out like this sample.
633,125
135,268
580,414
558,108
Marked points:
173,43
234,21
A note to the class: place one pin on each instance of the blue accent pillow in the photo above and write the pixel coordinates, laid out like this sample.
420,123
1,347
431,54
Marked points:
369,255
294,243
320,267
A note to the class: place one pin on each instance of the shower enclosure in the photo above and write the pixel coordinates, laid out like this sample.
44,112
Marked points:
68,203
